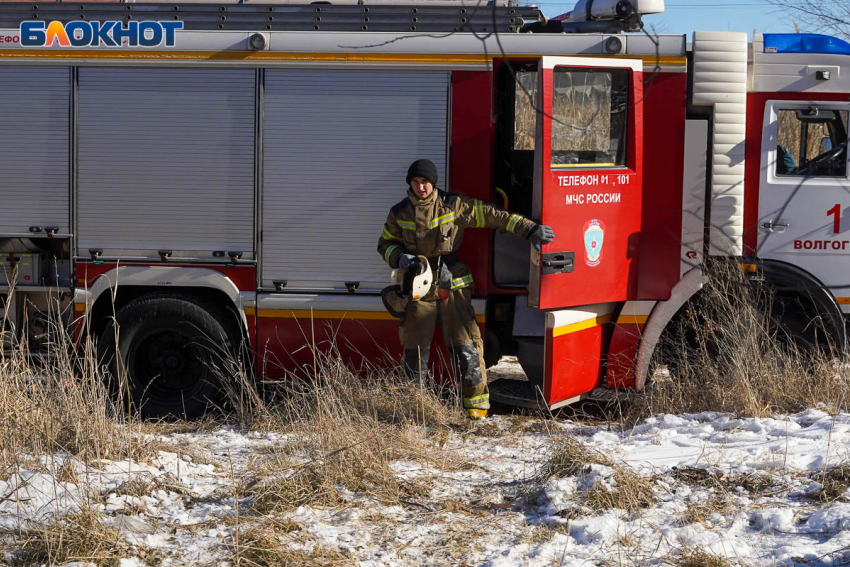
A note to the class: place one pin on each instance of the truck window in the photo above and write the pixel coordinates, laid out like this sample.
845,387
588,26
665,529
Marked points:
525,115
811,142
589,116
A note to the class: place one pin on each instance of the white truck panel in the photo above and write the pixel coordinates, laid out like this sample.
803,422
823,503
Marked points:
34,149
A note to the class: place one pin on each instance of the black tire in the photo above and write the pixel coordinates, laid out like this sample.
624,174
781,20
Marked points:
171,349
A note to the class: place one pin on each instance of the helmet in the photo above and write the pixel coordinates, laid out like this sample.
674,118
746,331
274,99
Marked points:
419,284
407,286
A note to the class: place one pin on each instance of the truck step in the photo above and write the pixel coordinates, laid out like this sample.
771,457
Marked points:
515,392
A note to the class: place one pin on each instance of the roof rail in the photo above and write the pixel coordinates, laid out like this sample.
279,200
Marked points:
439,16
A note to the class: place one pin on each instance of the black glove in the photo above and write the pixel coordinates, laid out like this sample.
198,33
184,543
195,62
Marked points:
408,261
541,234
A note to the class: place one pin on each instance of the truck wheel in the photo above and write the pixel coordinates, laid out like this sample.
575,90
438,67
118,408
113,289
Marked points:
171,350
794,321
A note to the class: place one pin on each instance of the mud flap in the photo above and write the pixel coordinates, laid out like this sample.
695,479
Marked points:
575,344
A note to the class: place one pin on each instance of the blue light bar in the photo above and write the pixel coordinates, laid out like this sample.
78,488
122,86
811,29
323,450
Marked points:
804,43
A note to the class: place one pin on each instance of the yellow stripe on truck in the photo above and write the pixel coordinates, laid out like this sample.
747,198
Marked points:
581,325
632,319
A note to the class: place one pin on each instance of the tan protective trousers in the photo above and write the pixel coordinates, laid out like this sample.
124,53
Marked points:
461,335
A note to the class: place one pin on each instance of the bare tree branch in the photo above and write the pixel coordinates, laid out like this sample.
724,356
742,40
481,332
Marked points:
818,16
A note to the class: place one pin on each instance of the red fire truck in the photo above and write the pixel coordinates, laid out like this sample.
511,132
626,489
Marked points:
234,185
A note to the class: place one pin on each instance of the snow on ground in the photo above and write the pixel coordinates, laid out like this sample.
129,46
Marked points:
741,489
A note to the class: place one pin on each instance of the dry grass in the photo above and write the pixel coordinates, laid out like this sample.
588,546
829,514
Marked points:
276,544
347,432
630,492
58,415
457,507
835,482
145,484
568,456
75,537
721,491
753,483
350,429
626,490
700,558
513,426
701,511
728,351
536,534
61,405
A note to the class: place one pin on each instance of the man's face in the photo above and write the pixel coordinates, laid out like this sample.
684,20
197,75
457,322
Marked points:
421,187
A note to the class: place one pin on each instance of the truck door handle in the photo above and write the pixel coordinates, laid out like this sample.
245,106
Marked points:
557,262
775,226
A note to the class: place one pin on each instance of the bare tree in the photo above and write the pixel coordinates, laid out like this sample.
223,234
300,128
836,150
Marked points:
818,16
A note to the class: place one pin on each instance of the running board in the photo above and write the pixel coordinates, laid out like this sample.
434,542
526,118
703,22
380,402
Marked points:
520,393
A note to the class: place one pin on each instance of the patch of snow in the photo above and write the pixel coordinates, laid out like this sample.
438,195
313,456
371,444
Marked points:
187,512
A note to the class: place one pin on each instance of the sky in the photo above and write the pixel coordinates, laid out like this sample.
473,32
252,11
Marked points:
686,16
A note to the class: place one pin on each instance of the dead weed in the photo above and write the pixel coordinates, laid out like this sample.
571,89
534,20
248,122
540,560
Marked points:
76,537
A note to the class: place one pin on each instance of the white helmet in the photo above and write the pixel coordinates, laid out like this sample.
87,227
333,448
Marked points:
407,287
421,282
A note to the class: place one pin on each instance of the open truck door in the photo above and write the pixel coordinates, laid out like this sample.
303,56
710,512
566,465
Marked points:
587,187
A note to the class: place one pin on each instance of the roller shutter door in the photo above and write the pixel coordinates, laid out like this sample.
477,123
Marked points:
34,154
166,161
336,150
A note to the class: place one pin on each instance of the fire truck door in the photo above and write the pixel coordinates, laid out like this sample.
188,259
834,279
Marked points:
587,180
804,203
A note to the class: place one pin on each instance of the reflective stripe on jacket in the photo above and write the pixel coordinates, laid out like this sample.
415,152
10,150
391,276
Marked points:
434,227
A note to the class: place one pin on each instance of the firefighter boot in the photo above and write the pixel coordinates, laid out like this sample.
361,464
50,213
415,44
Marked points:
476,396
416,364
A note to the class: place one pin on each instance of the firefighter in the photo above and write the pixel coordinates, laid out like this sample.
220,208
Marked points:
429,223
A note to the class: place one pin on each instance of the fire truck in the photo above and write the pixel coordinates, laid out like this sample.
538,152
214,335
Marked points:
227,176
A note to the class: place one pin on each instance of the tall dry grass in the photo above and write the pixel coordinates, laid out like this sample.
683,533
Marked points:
58,402
57,414
730,350
345,431
348,429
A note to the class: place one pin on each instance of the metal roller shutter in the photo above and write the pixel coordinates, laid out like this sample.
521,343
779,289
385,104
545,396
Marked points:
336,151
166,161
34,154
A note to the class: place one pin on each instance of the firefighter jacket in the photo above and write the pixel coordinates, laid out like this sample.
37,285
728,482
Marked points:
433,227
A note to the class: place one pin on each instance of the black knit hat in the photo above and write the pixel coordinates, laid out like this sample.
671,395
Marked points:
422,168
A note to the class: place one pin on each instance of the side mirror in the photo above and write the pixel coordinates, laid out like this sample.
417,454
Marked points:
825,145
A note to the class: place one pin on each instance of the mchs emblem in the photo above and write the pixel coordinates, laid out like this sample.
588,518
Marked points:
594,233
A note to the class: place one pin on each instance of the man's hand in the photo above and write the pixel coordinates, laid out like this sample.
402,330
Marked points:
542,234
408,261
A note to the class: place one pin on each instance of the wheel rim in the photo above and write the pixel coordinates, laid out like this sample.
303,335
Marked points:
167,364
